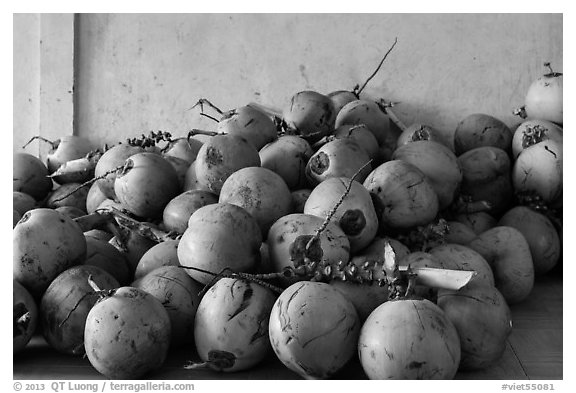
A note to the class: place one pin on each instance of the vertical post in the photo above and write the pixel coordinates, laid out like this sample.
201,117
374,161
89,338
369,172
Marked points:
26,79
56,77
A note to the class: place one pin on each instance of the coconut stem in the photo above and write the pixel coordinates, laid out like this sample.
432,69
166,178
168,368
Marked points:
196,365
89,182
385,106
521,112
229,273
268,110
92,220
411,283
24,318
203,101
196,131
359,90
392,277
142,229
210,117
53,144
102,293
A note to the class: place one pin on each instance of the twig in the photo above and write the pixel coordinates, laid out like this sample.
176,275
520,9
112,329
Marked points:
142,229
196,131
92,220
396,120
195,366
203,101
101,293
229,273
210,117
89,182
331,213
53,144
521,112
385,106
357,92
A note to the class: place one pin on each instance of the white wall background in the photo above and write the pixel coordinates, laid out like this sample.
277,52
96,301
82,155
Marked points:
141,72
43,64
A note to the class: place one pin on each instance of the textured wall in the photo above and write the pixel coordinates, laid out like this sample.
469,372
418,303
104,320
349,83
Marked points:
137,73
43,64
26,65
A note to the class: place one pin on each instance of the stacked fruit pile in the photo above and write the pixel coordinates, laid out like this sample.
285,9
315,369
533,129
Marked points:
318,232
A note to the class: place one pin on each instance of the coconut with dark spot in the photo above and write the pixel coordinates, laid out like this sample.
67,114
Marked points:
221,156
288,156
45,243
231,325
422,132
289,242
338,158
259,191
355,215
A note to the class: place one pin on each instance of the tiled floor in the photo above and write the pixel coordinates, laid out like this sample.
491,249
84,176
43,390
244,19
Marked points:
535,350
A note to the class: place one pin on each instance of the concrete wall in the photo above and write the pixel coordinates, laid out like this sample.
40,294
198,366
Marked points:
136,73
26,64
43,63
